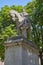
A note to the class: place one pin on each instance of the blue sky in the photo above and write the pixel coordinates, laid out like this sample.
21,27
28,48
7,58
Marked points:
13,2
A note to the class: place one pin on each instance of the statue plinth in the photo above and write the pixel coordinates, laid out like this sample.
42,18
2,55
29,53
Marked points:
19,51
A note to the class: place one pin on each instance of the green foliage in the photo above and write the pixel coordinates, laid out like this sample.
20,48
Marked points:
17,8
7,28
8,31
30,7
35,10
37,24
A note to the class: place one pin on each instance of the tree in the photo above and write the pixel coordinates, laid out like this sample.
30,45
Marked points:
39,18
35,10
7,28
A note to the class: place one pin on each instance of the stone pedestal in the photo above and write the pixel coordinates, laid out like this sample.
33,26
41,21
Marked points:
19,51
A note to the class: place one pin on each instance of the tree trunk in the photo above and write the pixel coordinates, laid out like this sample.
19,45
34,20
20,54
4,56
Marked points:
41,56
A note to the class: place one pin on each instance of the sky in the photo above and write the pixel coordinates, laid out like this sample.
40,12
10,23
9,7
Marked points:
13,2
